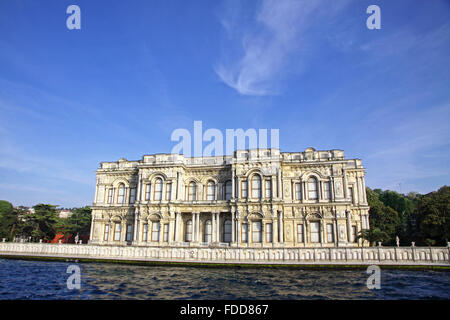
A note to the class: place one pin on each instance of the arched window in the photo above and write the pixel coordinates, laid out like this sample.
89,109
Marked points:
256,187
227,231
192,194
121,194
312,189
188,231
228,190
158,189
208,231
211,191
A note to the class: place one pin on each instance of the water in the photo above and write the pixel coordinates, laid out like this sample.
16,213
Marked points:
47,280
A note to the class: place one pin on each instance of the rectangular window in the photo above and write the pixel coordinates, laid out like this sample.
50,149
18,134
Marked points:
132,195
298,195
244,232
354,234
256,230
117,231
121,195
300,235
330,233
315,232
106,235
147,192
155,231
158,187
268,188
350,189
110,195
211,191
228,190
268,232
227,231
244,189
145,232
327,190
169,191
129,232
166,232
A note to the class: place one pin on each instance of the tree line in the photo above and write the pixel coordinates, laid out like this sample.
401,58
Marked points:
423,219
43,224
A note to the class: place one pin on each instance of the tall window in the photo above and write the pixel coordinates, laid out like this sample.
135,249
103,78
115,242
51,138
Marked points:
110,195
192,192
129,232
117,231
300,235
106,236
158,189
189,231
351,194
155,231
257,231
244,189
211,191
330,233
132,195
145,232
228,190
208,231
147,192
121,194
227,231
312,189
169,191
256,187
268,232
354,234
315,231
268,188
166,233
298,194
244,232
327,190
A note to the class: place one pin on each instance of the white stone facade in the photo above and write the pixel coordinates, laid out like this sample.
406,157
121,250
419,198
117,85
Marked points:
258,198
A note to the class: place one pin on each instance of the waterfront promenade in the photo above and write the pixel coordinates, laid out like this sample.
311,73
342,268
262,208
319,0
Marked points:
419,256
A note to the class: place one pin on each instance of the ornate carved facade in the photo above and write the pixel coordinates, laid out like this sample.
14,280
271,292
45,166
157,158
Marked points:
255,198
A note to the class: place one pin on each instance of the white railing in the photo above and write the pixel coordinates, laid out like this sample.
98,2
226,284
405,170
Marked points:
334,255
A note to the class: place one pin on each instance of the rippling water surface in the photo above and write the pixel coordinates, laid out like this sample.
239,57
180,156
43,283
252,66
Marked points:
47,280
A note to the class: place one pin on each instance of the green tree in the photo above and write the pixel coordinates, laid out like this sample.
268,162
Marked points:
41,224
433,217
372,235
78,223
8,220
383,217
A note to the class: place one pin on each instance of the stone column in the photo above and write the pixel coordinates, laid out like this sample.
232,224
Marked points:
171,227
197,238
274,229
135,227
218,227
233,227
213,227
345,184
238,228
281,227
193,227
233,184
349,227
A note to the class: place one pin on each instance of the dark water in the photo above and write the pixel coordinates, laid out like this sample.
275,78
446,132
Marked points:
47,280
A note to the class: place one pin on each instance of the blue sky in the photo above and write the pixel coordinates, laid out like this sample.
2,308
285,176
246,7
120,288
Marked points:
137,70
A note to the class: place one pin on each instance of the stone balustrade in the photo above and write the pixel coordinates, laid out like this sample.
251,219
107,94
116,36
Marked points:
294,256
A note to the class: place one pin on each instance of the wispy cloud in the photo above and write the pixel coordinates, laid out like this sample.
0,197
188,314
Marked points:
277,32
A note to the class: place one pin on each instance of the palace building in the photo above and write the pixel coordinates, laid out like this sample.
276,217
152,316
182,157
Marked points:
252,199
